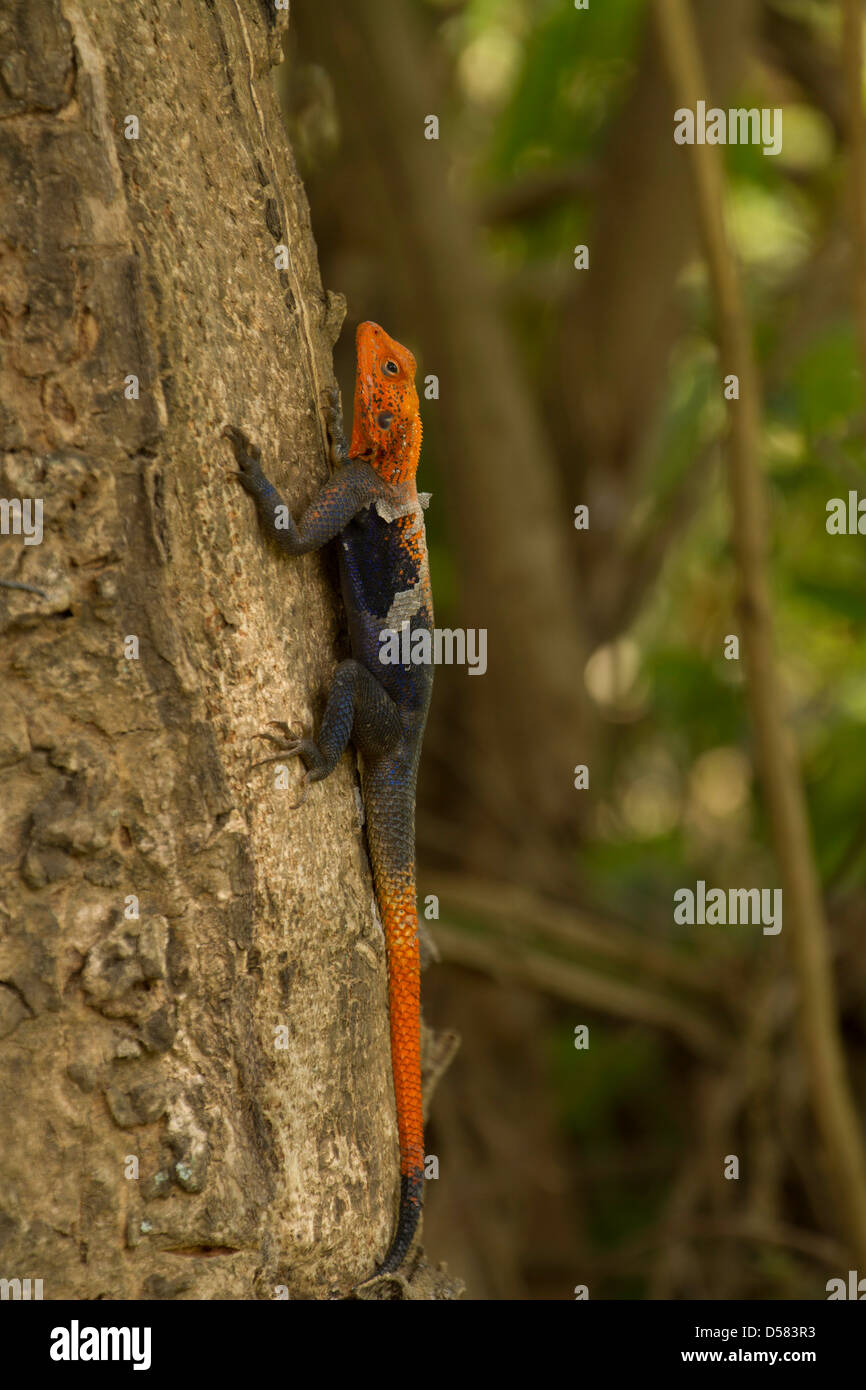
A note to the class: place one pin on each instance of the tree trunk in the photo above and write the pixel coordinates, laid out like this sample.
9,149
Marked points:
195,1084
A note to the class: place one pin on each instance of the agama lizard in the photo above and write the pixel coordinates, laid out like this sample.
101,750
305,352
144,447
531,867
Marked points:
371,503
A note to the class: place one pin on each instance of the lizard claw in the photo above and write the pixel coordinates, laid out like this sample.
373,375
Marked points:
288,748
278,757
25,588
248,456
287,743
291,746
242,446
283,728
304,794
334,422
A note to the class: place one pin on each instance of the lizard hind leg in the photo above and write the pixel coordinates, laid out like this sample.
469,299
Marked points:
357,708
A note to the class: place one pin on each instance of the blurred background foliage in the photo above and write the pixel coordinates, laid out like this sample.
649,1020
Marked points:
605,1166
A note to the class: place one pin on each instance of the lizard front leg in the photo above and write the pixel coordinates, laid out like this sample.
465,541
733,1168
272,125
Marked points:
353,486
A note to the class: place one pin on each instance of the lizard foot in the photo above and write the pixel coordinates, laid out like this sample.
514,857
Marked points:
248,456
290,746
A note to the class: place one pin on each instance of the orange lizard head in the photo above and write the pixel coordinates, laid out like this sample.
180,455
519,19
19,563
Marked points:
386,428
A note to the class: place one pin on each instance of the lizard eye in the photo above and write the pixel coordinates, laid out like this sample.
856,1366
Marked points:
384,420
390,367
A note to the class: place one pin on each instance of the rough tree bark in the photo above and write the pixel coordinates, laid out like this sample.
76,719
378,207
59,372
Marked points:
150,1043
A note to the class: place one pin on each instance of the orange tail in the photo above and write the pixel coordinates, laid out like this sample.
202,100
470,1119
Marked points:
400,920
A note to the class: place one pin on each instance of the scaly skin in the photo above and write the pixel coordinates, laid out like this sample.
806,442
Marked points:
371,503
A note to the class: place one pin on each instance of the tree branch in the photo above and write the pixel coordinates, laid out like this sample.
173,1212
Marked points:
511,909
514,959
